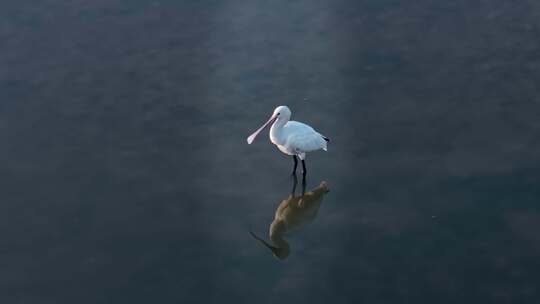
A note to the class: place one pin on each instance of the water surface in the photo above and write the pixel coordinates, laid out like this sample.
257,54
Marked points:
126,177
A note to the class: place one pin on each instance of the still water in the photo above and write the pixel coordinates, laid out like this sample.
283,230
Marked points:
126,177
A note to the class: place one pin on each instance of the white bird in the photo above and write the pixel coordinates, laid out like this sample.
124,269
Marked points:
292,137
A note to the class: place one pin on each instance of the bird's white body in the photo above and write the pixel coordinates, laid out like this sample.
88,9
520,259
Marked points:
296,138
292,137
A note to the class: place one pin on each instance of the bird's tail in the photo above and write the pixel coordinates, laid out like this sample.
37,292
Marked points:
324,144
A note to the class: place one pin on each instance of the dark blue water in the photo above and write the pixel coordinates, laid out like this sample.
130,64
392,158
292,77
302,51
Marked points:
126,178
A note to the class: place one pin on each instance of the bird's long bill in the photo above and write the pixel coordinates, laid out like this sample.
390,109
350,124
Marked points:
274,249
251,138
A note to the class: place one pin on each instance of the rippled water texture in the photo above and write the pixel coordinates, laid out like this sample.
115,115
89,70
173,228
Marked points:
126,177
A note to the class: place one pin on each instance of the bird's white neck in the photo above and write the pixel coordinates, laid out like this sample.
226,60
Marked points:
276,131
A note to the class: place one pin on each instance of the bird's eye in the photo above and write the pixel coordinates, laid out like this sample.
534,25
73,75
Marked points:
278,114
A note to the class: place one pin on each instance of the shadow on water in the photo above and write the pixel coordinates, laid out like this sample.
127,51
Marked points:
292,214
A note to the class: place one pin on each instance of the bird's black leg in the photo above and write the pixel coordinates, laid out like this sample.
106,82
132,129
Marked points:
304,172
295,165
303,185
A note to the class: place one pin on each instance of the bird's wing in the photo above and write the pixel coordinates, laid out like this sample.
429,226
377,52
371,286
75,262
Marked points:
304,138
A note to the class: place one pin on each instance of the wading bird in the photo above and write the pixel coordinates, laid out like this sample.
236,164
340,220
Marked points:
293,213
292,137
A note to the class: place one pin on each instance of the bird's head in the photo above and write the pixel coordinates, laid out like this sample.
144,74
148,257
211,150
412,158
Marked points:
281,114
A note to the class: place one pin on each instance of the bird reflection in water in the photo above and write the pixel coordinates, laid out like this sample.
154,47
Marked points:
291,214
